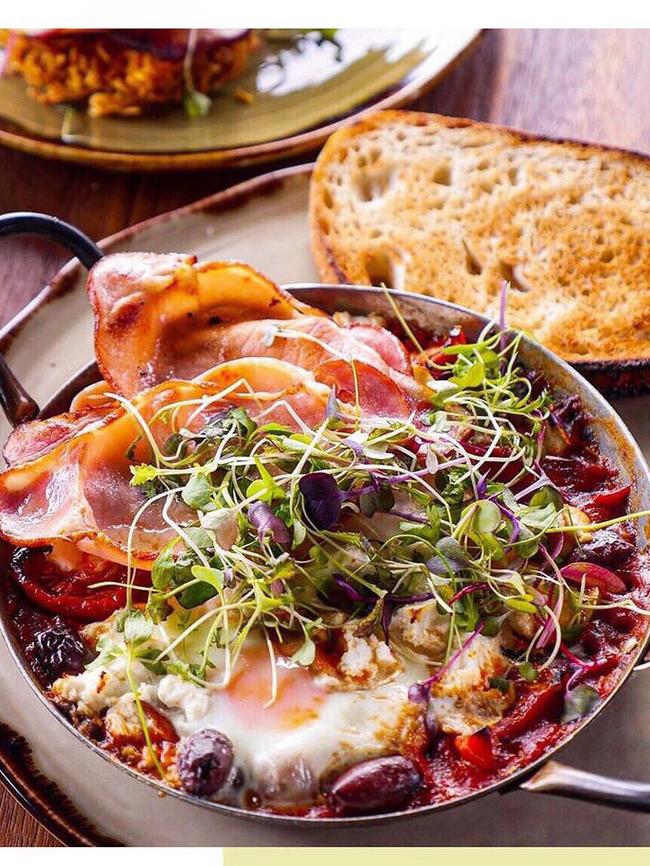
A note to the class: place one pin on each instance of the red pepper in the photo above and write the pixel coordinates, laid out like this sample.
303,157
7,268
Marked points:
160,729
541,701
92,606
477,749
613,499
97,606
587,476
434,356
576,472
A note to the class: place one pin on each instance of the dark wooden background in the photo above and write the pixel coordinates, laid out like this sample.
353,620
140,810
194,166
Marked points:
583,84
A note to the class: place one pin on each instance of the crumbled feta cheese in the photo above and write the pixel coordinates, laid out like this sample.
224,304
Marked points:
101,687
421,628
175,692
367,661
463,701
122,719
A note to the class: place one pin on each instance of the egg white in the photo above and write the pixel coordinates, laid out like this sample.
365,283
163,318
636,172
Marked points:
290,739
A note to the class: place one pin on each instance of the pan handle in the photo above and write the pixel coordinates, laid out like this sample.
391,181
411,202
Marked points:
556,778
70,237
18,406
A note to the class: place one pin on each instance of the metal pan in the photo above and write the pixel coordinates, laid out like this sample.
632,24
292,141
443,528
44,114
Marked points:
545,775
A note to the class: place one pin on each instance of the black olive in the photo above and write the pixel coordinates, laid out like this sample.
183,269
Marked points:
377,785
59,650
606,548
204,762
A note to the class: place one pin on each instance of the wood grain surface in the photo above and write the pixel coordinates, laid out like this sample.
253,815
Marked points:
584,84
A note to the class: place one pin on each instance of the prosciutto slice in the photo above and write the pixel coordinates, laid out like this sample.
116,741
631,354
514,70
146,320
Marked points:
155,313
378,395
307,341
79,489
37,438
159,317
169,331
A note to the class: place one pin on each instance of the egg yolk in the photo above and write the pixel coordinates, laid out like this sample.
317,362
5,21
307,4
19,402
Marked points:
298,699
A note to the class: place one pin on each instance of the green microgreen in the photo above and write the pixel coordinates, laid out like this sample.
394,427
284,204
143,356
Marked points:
441,520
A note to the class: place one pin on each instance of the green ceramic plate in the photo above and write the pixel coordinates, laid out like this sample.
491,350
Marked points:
300,91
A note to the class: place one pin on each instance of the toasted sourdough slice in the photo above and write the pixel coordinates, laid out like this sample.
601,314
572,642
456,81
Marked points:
451,208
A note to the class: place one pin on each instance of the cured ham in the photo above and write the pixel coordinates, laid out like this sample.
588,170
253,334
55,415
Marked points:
76,484
272,390
307,341
37,438
163,316
154,314
197,339
377,395
391,350
80,490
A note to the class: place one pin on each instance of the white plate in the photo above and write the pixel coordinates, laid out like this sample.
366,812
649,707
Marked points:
264,222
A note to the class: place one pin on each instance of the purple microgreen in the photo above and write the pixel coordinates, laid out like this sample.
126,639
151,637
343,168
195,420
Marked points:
404,476
355,446
536,485
351,592
332,408
386,615
466,590
366,489
512,517
269,524
277,588
322,499
411,516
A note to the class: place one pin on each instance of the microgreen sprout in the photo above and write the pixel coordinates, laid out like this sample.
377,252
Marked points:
287,532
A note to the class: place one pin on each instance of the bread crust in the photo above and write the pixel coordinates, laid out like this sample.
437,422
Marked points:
608,288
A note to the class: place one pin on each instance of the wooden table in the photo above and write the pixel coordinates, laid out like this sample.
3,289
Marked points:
584,84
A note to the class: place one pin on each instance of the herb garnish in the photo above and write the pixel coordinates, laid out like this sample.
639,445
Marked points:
294,533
